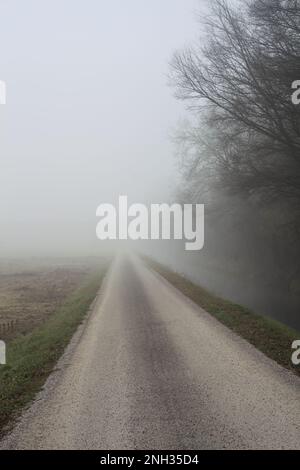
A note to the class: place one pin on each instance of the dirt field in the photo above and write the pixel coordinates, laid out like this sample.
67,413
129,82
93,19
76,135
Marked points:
31,290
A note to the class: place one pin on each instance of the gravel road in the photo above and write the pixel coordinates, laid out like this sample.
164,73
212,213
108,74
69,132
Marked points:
150,369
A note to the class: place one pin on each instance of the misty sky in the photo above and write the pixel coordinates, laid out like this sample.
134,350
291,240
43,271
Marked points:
88,113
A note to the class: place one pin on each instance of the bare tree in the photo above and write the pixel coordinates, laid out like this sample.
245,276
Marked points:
239,82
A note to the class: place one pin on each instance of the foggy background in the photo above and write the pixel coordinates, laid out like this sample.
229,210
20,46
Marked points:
90,116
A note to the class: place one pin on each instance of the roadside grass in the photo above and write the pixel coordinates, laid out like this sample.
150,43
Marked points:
269,336
32,357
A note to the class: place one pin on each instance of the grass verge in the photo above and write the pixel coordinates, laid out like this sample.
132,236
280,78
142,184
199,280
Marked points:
269,336
31,358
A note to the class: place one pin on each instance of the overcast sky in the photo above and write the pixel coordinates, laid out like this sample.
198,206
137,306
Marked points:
88,113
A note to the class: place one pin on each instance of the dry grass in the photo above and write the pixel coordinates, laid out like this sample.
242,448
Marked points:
31,291
51,304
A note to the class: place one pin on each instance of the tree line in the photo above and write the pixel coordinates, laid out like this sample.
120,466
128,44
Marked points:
242,143
238,81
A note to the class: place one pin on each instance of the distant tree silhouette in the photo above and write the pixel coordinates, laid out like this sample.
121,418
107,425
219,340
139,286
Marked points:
238,81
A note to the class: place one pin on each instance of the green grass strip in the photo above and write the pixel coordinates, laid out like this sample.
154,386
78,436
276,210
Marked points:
269,336
31,358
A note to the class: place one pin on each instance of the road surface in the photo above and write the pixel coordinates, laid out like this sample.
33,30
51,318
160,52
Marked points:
150,369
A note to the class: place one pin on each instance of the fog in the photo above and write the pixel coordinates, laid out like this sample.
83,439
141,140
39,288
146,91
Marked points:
88,114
